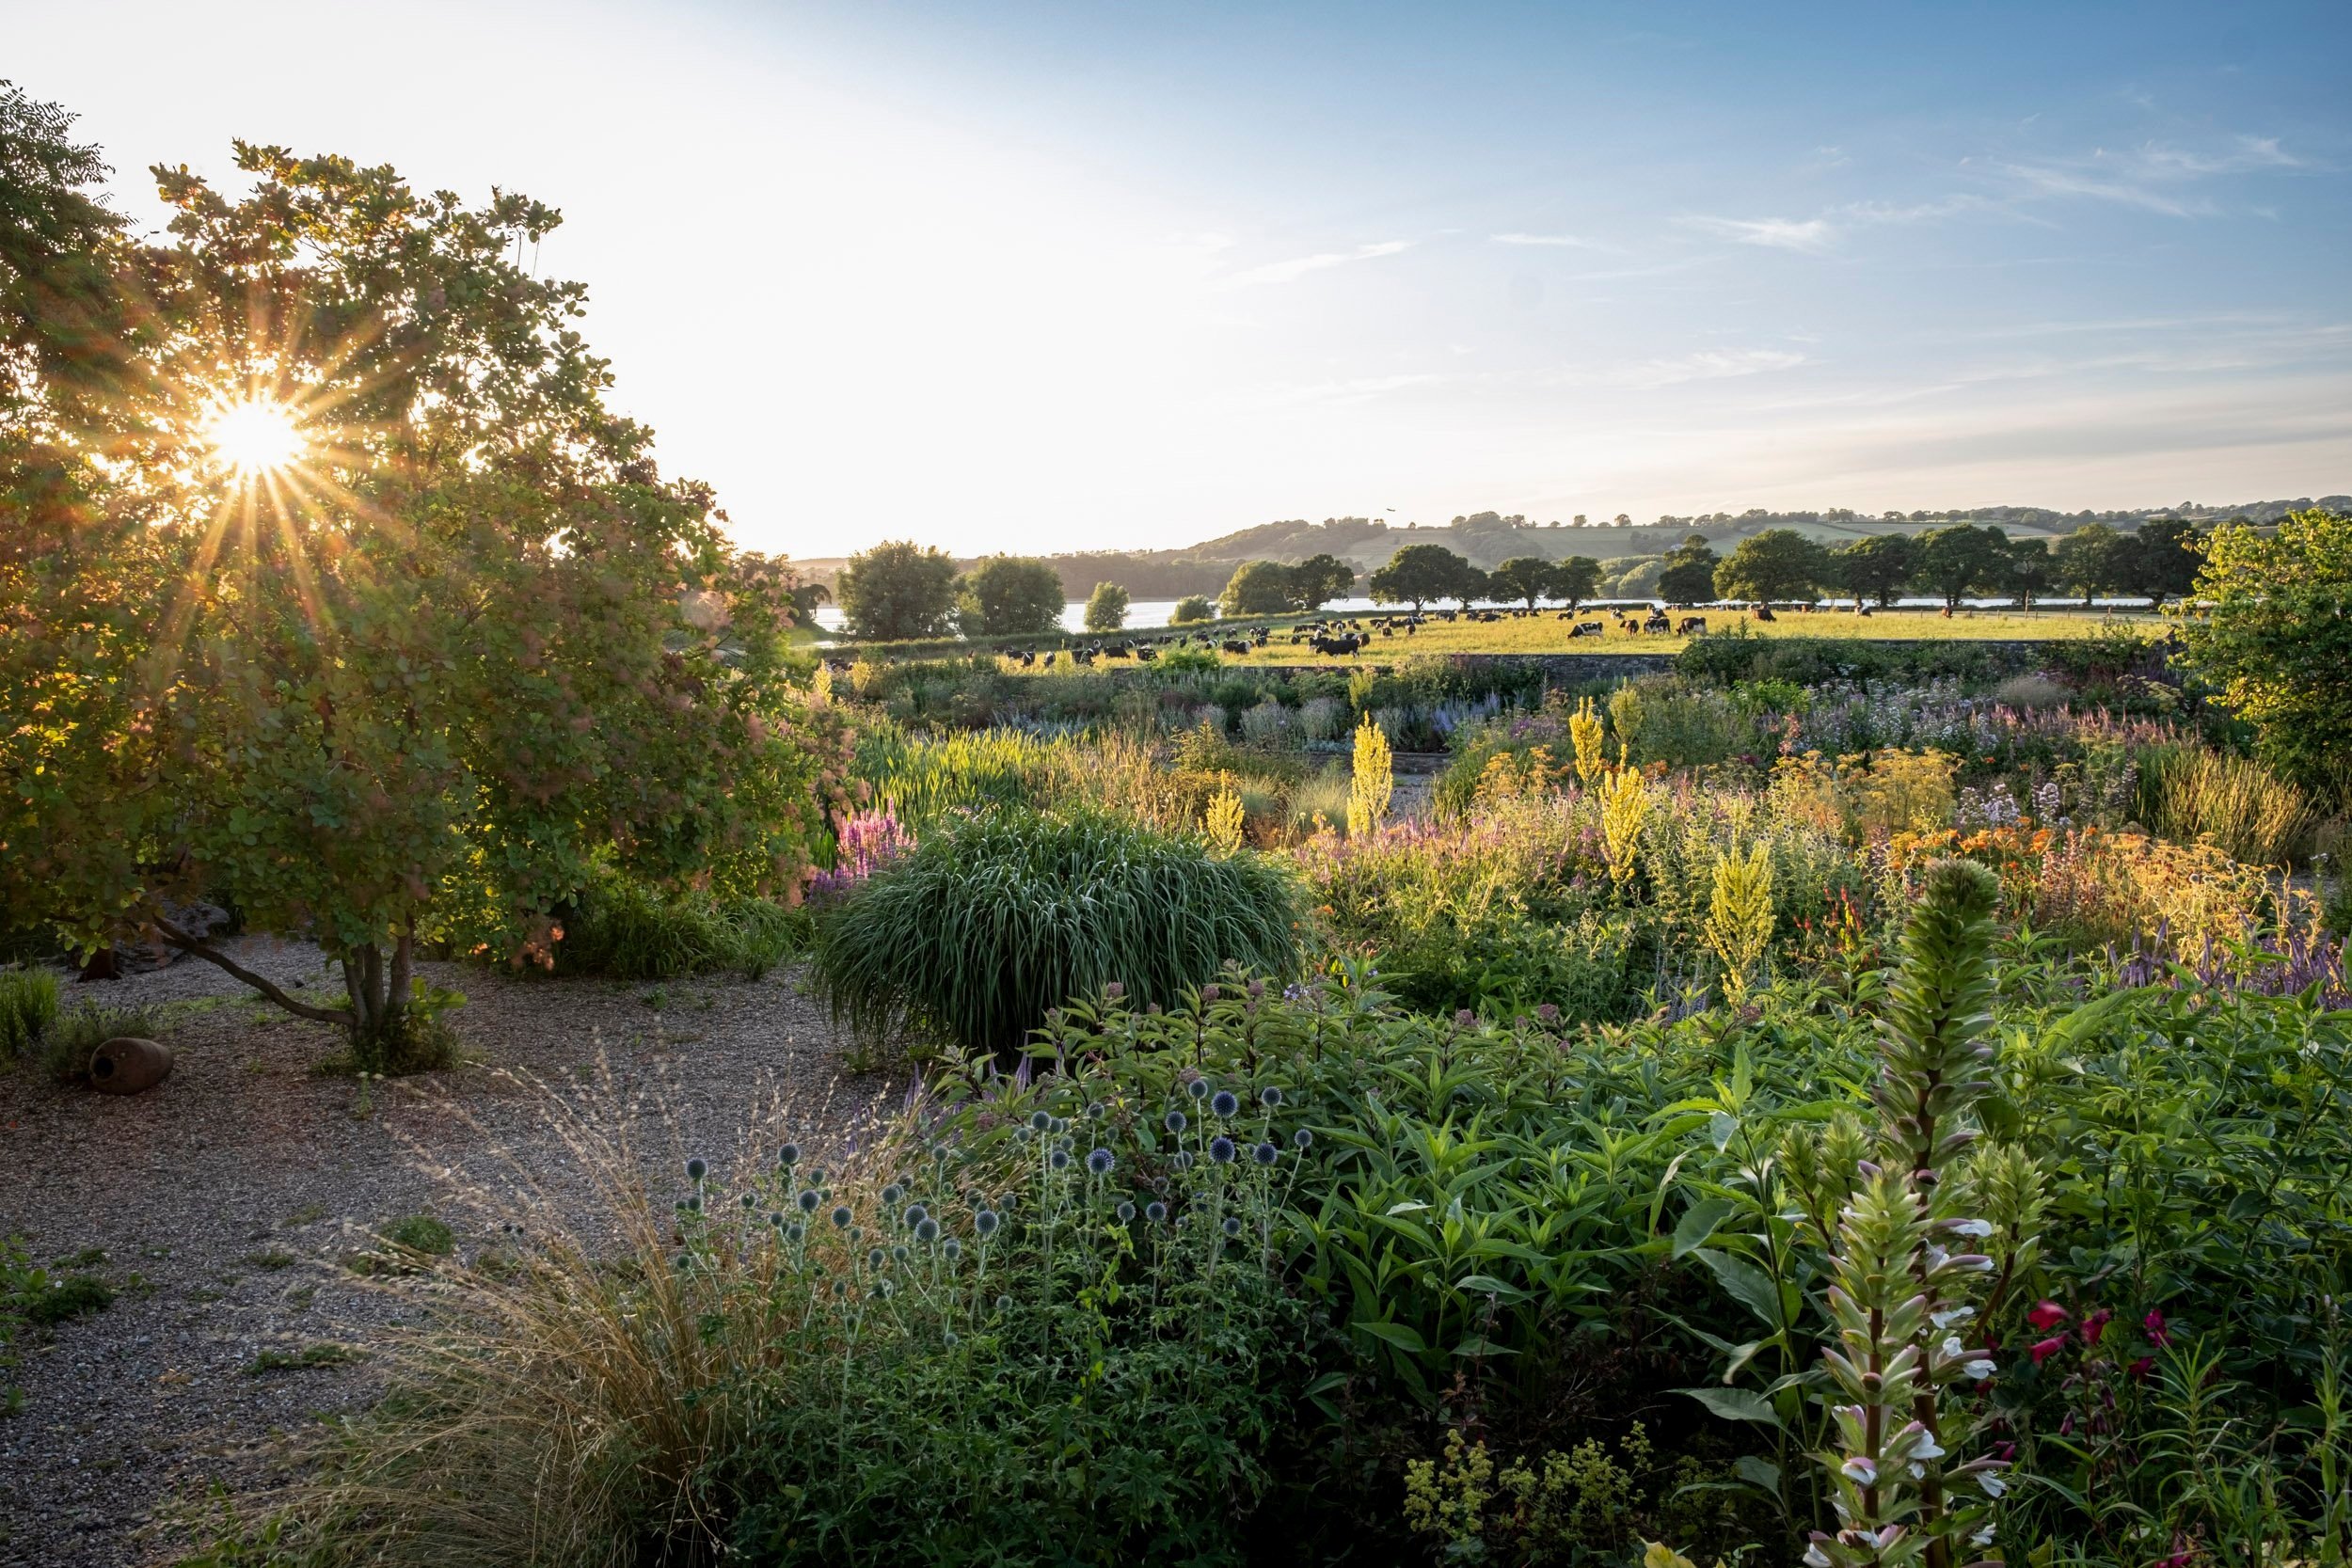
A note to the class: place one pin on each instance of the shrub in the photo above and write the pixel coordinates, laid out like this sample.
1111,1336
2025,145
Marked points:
991,920
2192,795
622,928
28,1005
64,1049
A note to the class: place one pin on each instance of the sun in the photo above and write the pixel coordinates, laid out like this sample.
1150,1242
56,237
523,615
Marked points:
253,438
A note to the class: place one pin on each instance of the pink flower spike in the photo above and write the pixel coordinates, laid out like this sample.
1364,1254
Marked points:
2095,1325
2141,1368
2045,1349
2046,1314
2154,1323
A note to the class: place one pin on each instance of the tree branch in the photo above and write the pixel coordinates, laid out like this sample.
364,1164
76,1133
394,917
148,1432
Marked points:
268,988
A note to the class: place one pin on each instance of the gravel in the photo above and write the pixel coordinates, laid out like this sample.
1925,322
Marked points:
225,1200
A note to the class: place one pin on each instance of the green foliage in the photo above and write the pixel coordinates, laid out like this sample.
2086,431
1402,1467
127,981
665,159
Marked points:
469,646
1575,578
2190,793
622,928
2271,633
1777,564
308,1358
897,589
1258,587
1009,596
1686,576
1525,577
1957,560
422,1233
1874,568
1418,573
1106,608
1191,661
32,1298
28,1005
63,1050
992,920
1190,609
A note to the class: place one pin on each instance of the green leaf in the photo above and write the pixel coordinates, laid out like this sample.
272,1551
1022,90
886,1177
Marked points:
1402,1335
1749,1285
1699,1221
1487,1285
1736,1404
1763,1473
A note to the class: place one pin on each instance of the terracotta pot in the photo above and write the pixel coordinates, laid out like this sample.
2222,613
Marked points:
129,1065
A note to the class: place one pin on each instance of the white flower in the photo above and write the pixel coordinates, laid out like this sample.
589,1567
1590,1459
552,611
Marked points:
1950,1316
1953,1349
1973,1227
1861,1471
1929,1448
1978,1370
1992,1485
1982,1537
1815,1557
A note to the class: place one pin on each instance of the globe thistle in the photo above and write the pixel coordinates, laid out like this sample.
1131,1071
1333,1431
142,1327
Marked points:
898,1254
885,1289
1198,1089
1300,1139
1060,1158
915,1215
1182,1158
751,1201
940,1155
788,1155
927,1229
1126,1213
1225,1105
892,1193
1096,1110
1041,1120
817,1176
841,1216
985,1223
1004,1304
1265,1154
1221,1150
795,1232
1176,1123
953,1248
1233,1225
840,1289
947,1338
875,1258
807,1200
697,1169
1022,1134
1100,1161
694,1203
1271,1097
1155,1211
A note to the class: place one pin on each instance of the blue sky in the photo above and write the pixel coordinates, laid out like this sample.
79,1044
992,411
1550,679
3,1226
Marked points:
1034,277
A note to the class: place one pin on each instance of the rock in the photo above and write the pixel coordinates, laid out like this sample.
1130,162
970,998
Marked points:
129,1065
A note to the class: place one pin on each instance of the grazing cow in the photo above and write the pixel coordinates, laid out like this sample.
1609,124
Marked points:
1234,646
1657,623
1763,613
1862,609
1147,654
1690,624
1948,613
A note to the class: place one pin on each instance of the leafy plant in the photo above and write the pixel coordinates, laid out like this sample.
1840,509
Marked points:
991,922
28,1005
1373,782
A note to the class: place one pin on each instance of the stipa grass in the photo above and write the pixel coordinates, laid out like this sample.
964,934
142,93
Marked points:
993,919
28,1004
2246,811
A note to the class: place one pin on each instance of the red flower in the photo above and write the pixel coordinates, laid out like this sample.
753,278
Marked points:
2094,1324
2046,1314
2142,1367
2154,1323
2045,1349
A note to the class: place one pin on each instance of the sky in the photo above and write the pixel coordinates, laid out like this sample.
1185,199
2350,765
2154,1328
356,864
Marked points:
1030,277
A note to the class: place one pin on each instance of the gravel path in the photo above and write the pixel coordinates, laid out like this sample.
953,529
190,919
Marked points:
225,1200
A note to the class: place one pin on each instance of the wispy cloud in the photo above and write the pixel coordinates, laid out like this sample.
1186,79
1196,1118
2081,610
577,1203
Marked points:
1353,389
1572,242
1814,234
2153,177
1714,364
1299,266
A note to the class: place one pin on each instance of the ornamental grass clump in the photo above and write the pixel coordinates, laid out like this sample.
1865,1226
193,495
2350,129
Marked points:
992,920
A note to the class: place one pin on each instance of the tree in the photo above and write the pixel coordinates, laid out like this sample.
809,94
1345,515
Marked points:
2163,559
1526,578
1778,564
1469,587
1191,609
1257,588
1106,608
1876,567
895,591
1009,596
383,629
1418,573
2089,559
1318,579
2031,569
1574,580
1955,559
1688,575
2274,633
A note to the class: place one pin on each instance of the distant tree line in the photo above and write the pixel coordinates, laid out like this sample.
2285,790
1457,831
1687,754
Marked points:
1780,565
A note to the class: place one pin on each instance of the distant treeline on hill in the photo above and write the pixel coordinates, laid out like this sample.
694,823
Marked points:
1487,539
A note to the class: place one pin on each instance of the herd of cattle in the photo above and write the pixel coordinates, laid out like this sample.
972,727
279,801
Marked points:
1341,637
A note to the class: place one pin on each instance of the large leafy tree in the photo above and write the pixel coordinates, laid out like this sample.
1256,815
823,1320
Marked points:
1418,573
1009,596
2089,560
1956,560
1688,575
1318,579
1525,577
1106,608
1258,587
1778,564
356,609
897,589
2031,569
2273,630
1874,568
1574,580
2161,560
